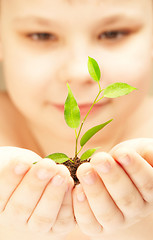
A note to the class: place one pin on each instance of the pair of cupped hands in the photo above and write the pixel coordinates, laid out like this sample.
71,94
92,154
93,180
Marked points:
115,191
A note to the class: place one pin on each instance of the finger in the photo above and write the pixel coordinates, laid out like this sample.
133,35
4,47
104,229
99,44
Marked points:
118,184
100,201
27,194
143,146
146,150
140,171
44,215
10,177
65,221
84,216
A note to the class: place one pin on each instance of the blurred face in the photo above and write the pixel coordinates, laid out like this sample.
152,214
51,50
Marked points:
46,43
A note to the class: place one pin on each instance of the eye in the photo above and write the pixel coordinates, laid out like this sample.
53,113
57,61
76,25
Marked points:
110,35
42,37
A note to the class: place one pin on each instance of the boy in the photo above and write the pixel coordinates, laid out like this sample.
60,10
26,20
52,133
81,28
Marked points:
45,44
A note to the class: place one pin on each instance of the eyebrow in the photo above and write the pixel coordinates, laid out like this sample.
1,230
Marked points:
43,21
108,20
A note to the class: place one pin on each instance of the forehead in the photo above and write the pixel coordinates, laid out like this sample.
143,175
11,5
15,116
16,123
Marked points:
97,1
77,2
74,7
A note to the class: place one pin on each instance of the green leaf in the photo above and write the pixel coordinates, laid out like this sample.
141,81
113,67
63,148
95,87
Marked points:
88,153
92,132
71,110
118,89
58,157
93,69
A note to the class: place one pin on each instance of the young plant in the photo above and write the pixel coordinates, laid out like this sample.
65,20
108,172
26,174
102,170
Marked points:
73,119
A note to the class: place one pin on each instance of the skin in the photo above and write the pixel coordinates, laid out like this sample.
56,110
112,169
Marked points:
64,59
36,73
117,189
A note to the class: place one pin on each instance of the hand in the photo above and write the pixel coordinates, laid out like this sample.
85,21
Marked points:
119,192
32,204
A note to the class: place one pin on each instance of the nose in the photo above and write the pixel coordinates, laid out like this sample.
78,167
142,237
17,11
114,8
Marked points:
75,71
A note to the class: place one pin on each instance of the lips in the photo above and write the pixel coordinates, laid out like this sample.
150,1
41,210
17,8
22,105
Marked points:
84,108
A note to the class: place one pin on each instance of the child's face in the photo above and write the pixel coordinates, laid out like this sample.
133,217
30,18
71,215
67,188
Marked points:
46,43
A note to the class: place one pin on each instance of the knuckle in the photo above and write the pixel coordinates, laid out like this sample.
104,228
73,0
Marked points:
127,200
53,197
62,222
65,205
18,208
96,195
87,221
135,168
33,184
114,178
64,225
106,217
147,189
42,220
36,227
147,151
83,218
148,186
65,213
33,187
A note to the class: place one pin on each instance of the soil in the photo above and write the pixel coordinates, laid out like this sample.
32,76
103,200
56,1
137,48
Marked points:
73,168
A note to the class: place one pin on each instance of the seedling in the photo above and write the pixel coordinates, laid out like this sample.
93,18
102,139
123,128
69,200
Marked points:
73,119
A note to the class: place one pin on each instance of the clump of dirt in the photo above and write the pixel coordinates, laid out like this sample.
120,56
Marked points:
73,168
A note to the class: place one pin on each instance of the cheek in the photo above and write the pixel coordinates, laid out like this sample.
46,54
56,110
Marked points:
136,72
134,69
27,80
28,76
130,63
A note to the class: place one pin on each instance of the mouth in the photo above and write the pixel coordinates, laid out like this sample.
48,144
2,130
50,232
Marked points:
84,108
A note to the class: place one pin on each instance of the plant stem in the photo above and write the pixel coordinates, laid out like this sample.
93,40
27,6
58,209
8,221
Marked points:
75,133
89,110
79,150
76,149
70,160
100,90
99,87
99,99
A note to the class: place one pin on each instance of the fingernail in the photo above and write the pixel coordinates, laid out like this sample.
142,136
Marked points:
21,168
57,180
89,177
103,167
125,160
